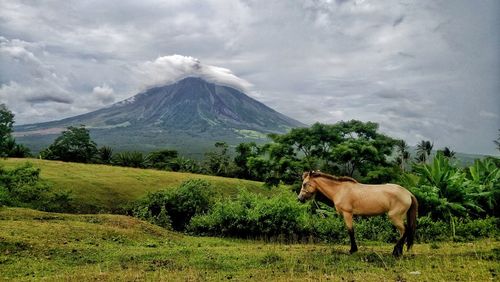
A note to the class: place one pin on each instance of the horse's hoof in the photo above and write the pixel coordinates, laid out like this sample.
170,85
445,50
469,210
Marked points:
397,253
352,251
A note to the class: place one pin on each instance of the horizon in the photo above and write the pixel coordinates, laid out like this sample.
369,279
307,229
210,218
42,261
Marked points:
422,71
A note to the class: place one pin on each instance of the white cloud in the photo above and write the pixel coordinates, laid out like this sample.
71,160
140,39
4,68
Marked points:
104,93
167,69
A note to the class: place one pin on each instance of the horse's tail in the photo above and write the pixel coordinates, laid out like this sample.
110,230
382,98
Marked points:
411,221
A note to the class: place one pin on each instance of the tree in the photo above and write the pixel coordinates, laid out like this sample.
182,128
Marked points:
73,145
218,161
424,149
245,151
6,123
105,154
447,153
345,148
14,150
403,154
497,142
164,159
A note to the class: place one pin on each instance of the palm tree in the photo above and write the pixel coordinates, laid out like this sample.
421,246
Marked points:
404,154
424,149
497,142
105,154
448,153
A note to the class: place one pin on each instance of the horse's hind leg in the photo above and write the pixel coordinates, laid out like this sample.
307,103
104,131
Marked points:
397,220
350,230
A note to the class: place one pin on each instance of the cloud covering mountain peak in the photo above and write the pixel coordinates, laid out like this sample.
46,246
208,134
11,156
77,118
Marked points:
168,69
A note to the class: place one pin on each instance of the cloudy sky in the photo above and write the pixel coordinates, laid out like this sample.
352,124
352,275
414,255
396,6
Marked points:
421,69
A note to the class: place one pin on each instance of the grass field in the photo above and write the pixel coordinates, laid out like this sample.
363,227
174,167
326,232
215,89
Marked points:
103,188
52,247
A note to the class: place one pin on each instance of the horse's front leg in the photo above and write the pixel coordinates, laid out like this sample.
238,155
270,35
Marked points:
350,230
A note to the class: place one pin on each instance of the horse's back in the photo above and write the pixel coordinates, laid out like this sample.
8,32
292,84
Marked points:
386,196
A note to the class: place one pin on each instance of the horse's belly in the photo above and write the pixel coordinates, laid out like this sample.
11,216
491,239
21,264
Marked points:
369,212
368,208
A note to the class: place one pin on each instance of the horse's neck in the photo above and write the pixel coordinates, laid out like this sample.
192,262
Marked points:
329,188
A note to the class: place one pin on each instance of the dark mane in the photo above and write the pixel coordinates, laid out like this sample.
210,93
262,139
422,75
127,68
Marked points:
332,177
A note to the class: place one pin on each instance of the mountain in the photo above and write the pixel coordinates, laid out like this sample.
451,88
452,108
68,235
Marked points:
189,115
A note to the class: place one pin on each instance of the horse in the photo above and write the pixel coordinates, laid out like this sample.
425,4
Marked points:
353,198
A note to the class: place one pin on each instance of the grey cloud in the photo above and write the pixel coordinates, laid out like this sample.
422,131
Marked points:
422,69
48,99
398,21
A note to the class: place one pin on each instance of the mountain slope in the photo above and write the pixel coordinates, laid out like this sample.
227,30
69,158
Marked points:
191,109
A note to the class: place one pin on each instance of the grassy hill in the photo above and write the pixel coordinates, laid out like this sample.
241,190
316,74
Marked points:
102,188
37,245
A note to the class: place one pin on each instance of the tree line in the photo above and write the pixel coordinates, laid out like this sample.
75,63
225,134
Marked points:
353,148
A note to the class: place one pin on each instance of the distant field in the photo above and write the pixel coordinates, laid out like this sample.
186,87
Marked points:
53,247
107,188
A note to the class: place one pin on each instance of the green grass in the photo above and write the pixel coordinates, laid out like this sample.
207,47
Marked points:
49,246
103,188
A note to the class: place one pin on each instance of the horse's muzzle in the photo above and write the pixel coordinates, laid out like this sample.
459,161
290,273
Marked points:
301,199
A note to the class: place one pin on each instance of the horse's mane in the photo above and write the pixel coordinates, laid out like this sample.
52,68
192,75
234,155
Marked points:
332,177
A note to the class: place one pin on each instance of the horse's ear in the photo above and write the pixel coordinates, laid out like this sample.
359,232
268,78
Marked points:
304,175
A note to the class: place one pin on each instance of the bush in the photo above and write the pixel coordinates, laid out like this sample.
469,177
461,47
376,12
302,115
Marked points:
22,187
174,208
376,228
251,215
469,229
256,216
131,159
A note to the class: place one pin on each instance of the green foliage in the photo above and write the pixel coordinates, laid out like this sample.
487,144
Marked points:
441,191
445,191
483,181
176,207
252,216
352,148
245,151
105,155
131,159
187,165
22,187
281,216
8,145
73,145
6,123
218,161
403,154
466,229
424,150
164,160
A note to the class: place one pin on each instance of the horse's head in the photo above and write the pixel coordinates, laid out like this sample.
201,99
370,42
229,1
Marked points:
309,187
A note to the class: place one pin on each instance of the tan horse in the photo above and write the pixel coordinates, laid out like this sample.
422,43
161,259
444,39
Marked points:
353,198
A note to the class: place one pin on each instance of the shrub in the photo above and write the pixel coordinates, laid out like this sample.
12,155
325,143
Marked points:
251,215
175,207
470,229
377,228
22,187
131,159
256,216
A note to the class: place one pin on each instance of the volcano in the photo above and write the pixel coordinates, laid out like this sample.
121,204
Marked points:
188,115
